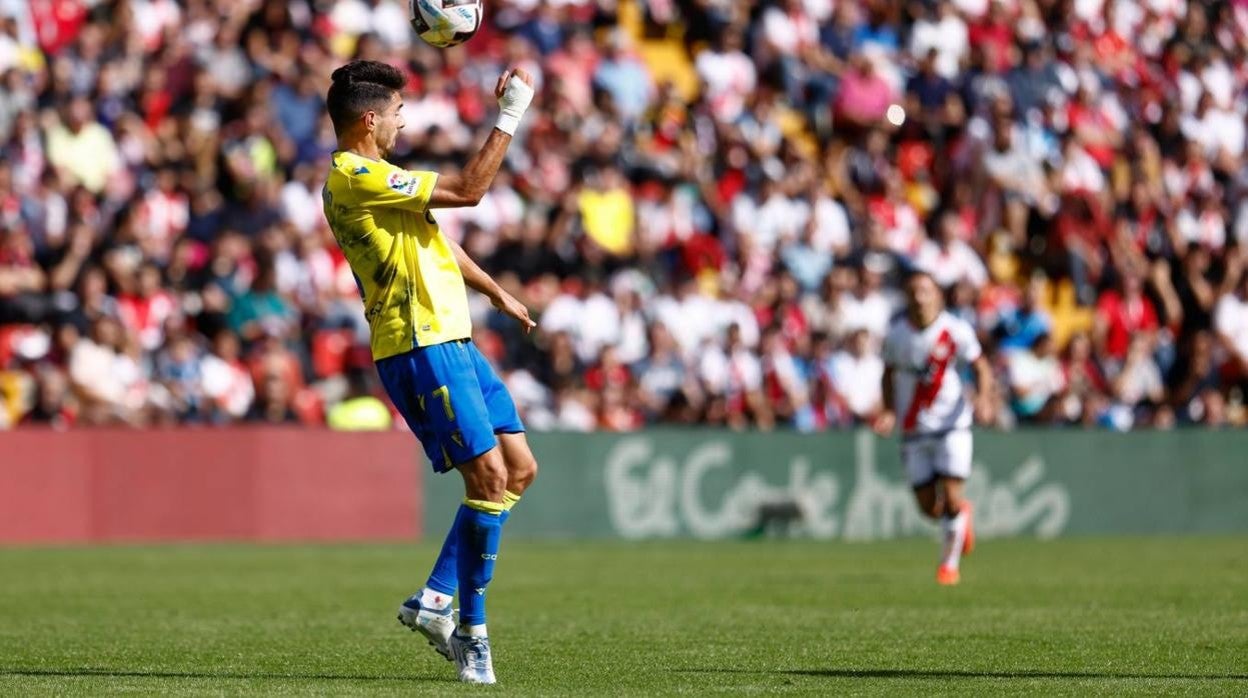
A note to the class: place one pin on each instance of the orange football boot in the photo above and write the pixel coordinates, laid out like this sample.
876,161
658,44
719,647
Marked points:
947,576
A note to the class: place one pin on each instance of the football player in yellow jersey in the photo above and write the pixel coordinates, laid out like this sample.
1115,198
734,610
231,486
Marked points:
412,279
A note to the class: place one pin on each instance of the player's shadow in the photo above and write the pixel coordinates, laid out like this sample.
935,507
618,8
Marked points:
242,675
969,674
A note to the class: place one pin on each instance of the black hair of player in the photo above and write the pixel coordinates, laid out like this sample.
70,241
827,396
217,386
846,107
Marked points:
361,86
912,271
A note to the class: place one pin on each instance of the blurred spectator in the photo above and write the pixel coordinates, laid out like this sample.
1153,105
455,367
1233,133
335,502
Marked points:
360,409
855,374
1084,396
1018,327
623,76
53,405
82,147
947,256
1138,385
1231,323
1035,379
226,380
1123,315
105,376
1196,396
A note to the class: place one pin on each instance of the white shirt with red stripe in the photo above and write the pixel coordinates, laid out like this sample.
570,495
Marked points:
928,394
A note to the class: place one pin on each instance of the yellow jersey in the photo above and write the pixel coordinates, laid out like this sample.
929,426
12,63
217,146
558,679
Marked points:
413,290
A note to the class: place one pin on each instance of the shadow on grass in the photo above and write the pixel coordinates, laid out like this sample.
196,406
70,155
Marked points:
140,674
968,674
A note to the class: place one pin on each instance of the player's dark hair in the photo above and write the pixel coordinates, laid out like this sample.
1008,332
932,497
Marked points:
913,271
360,86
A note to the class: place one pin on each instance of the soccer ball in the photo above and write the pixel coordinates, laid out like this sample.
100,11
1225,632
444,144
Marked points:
444,23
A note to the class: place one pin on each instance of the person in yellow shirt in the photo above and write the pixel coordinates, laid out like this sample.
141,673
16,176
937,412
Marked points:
360,410
413,282
609,213
83,148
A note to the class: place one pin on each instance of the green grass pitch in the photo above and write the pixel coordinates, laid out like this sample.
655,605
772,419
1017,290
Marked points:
1070,617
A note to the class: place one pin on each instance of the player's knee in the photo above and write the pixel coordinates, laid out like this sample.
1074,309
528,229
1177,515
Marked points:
951,495
522,473
953,505
494,480
931,506
486,478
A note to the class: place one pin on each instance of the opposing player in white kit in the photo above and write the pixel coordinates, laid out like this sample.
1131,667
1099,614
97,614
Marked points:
923,353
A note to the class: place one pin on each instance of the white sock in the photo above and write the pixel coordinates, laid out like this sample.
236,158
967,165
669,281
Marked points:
472,630
434,600
953,531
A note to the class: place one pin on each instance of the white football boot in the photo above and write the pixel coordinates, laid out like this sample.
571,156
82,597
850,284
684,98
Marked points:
472,656
437,626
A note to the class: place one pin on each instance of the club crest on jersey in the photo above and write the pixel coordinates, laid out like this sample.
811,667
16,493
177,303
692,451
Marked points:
401,183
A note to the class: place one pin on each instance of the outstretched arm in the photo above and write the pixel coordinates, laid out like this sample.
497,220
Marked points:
514,92
476,279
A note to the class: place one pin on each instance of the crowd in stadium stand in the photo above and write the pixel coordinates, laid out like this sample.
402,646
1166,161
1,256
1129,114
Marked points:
709,208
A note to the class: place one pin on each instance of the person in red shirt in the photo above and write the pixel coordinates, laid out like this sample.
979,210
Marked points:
57,23
145,311
1121,314
995,34
608,373
1093,126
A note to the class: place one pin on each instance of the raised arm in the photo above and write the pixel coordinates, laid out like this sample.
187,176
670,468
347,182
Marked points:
514,92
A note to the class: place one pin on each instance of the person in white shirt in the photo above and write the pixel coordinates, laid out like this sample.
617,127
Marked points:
923,352
1230,321
728,74
948,258
1036,380
586,314
946,32
867,307
856,375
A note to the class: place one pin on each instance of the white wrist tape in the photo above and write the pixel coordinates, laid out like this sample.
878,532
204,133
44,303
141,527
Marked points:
515,100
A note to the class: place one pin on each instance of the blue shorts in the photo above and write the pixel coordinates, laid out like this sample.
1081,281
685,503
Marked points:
452,399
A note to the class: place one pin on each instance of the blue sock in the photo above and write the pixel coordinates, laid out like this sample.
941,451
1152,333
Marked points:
479,532
444,578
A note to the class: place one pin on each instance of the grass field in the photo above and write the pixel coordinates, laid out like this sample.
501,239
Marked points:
1078,617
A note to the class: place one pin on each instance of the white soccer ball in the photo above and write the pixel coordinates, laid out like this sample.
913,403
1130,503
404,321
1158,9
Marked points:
444,23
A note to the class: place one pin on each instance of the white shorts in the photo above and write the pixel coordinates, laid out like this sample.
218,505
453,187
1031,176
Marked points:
928,457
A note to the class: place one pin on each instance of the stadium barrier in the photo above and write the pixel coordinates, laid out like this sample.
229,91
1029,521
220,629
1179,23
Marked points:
294,484
850,486
269,484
